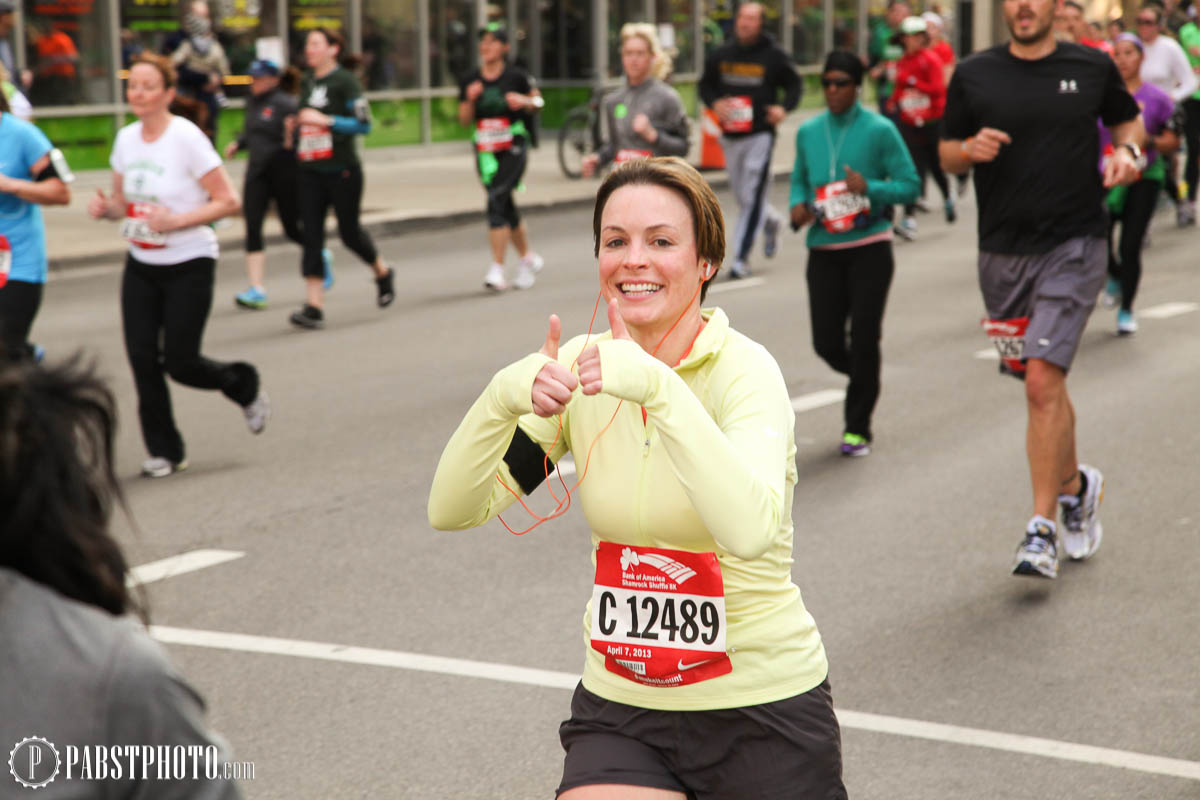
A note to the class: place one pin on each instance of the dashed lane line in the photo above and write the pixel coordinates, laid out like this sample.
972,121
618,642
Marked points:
815,400
178,565
876,723
1167,310
731,286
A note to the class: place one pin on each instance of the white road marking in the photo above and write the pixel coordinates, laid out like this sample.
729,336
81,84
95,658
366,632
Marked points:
80,273
1167,310
825,397
566,466
178,565
729,286
876,723
990,354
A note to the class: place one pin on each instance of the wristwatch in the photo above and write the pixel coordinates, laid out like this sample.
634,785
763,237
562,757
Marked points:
1134,150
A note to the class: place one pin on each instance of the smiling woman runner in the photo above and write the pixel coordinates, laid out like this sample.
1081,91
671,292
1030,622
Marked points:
705,676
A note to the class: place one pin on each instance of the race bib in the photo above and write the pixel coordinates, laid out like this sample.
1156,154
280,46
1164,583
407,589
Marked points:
914,106
658,616
1008,335
137,230
839,209
631,155
316,143
5,260
740,118
493,135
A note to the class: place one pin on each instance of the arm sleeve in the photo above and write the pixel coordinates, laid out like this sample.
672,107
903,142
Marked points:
202,157
957,122
150,704
733,473
466,492
710,81
801,191
1117,104
902,184
357,116
36,145
789,81
608,148
674,137
116,159
930,79
1181,68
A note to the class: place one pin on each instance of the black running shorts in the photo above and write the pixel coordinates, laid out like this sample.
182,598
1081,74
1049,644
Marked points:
787,749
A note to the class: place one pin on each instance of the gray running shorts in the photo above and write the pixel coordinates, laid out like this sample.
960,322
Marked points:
1057,290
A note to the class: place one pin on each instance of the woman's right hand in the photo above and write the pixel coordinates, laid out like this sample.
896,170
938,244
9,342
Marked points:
474,89
231,150
98,205
554,384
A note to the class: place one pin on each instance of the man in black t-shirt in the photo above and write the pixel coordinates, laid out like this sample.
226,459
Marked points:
1024,115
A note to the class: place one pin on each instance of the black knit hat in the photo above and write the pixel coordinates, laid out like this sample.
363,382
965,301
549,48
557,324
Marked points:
844,61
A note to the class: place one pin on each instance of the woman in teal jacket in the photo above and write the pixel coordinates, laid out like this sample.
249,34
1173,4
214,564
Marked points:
851,167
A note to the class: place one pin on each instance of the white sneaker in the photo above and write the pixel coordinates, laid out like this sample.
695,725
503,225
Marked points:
739,270
1082,530
771,236
160,467
495,279
527,270
907,229
1038,552
257,412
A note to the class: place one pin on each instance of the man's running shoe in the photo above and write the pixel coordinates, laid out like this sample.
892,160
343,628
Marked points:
528,268
771,236
160,467
257,412
495,279
327,258
1112,294
739,270
855,445
1126,323
253,297
1038,552
921,205
907,229
1185,213
1081,516
951,212
385,288
309,317
963,182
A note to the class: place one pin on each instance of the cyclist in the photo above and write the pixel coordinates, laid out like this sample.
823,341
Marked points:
500,99
646,117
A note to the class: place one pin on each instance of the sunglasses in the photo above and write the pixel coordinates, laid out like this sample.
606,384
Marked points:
1147,22
840,83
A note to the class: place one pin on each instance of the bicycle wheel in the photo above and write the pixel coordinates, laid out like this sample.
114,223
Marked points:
574,141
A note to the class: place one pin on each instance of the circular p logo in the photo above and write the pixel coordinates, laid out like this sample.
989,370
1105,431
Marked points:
33,762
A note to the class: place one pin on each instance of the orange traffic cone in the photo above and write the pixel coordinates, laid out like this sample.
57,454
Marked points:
711,154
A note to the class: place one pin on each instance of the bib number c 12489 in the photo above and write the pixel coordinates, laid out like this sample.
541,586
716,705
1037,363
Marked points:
658,616
839,209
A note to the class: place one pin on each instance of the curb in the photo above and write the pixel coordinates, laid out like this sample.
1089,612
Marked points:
385,227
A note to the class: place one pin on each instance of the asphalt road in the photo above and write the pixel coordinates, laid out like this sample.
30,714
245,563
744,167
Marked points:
903,557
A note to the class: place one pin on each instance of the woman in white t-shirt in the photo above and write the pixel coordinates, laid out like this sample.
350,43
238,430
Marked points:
168,185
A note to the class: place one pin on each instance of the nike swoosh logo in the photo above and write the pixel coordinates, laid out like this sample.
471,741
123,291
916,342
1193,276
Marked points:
685,667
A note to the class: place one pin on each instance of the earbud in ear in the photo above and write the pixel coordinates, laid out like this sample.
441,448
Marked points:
708,270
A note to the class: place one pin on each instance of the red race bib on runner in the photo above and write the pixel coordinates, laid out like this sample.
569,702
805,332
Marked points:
741,115
493,134
839,207
5,259
137,230
1009,337
658,616
316,143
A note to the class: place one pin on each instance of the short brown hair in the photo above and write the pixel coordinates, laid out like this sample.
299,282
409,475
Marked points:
708,222
160,63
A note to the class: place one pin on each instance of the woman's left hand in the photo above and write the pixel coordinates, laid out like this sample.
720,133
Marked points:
161,220
590,379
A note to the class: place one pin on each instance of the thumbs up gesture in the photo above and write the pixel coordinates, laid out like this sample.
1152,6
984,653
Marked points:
98,205
589,362
554,384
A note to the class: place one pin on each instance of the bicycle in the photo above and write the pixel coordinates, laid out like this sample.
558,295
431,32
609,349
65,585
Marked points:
580,135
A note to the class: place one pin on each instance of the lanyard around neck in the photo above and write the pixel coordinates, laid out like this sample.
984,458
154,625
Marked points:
835,150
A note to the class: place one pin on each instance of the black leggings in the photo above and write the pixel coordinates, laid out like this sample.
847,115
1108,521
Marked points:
1135,220
510,166
276,180
170,304
19,304
923,147
851,286
1191,134
343,190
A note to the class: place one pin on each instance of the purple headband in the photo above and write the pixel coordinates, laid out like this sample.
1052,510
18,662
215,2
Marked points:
1133,39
